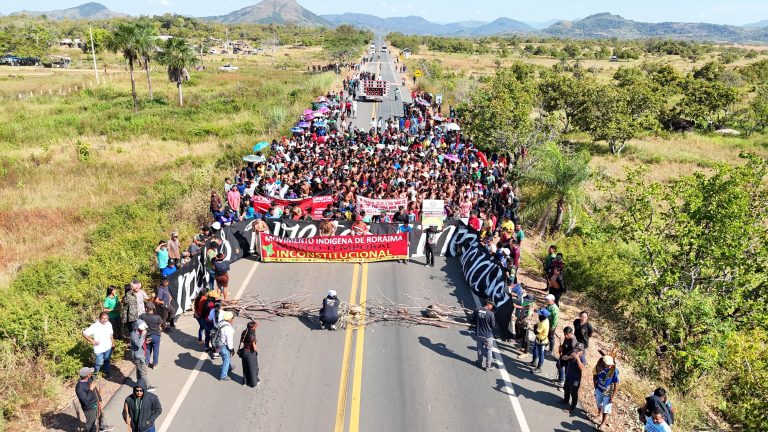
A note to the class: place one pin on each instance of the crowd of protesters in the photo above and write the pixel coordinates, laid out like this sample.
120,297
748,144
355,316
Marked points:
416,156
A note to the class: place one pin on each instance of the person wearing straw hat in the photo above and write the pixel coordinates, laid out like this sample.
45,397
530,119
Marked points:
605,377
225,340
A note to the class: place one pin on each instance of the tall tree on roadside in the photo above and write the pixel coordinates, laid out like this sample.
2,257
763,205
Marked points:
560,91
177,56
126,40
498,113
556,184
147,36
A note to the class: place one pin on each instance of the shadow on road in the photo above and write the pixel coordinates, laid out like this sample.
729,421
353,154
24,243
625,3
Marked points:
443,350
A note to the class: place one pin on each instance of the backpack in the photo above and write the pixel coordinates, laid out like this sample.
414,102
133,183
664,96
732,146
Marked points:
218,338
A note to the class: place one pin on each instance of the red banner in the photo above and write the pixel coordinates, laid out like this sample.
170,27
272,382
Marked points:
364,248
318,204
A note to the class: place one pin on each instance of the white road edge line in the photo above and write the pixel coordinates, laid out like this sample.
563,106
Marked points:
199,365
516,407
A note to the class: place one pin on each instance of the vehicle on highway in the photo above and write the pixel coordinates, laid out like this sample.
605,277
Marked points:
228,68
374,90
384,48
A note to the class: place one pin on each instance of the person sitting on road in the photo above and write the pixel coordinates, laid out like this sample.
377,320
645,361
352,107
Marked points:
329,313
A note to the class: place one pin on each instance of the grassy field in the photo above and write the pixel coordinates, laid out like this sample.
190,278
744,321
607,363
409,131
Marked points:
45,180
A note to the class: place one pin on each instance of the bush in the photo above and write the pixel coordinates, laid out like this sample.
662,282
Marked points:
747,384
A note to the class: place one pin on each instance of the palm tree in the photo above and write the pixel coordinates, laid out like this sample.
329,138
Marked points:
177,56
126,40
557,179
146,33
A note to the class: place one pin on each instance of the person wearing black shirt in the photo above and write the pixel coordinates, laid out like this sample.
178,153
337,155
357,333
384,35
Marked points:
400,215
485,321
88,396
430,245
566,349
329,313
574,367
582,329
155,325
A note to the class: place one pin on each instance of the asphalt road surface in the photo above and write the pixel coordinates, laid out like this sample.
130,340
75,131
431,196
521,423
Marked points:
378,378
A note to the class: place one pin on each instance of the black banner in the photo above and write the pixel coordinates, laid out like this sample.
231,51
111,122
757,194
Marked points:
484,275
187,282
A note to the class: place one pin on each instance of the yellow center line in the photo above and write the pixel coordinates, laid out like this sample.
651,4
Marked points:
341,406
357,380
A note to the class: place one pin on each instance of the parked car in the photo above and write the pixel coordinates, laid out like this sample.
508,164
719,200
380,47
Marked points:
228,68
9,60
28,61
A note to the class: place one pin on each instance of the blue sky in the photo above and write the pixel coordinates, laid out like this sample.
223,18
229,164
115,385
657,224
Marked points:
720,11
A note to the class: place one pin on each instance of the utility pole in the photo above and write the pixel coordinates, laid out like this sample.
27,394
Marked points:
93,53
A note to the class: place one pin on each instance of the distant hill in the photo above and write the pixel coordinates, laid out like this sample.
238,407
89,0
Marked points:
606,25
419,26
760,24
91,10
272,11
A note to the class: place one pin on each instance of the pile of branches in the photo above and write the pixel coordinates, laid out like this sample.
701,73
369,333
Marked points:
371,312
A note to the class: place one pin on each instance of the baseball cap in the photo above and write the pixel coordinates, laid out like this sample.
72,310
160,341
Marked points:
517,290
141,325
578,347
544,313
228,316
550,297
608,360
84,372
331,293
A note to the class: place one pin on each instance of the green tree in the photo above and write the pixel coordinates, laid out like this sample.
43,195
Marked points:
100,40
126,39
345,42
177,56
556,181
561,92
705,102
29,39
147,36
702,250
498,112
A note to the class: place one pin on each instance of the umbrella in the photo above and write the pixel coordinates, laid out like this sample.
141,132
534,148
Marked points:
309,117
308,111
297,130
320,124
438,118
319,114
322,99
303,124
324,109
451,157
260,146
254,158
452,127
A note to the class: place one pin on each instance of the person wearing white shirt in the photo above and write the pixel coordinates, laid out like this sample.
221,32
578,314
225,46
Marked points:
100,336
226,343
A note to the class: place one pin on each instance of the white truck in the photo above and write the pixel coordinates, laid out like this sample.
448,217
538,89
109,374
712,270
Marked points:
374,90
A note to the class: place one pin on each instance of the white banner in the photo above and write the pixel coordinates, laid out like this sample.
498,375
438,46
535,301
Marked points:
376,206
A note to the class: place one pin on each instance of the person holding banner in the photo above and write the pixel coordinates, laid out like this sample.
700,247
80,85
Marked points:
406,228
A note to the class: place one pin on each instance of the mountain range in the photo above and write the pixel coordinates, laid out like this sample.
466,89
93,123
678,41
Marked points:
601,25
84,11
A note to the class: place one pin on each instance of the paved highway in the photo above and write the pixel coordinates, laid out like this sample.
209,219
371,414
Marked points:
378,378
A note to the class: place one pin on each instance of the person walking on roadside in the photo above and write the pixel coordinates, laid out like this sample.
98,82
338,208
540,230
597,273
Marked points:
582,329
210,314
329,312
90,402
485,321
549,259
141,409
556,285
563,354
554,312
154,333
100,336
139,353
221,270
605,377
430,244
540,342
133,305
197,308
574,368
250,355
111,306
226,343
